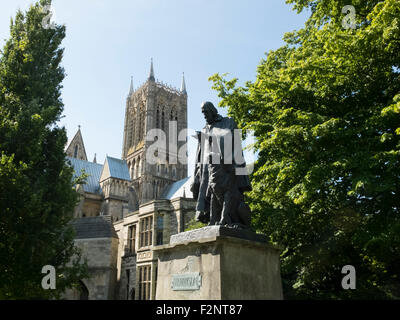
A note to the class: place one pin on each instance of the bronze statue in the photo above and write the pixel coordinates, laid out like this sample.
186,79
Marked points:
218,184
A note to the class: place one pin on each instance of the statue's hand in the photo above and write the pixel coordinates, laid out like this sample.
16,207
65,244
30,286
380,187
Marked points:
201,216
194,188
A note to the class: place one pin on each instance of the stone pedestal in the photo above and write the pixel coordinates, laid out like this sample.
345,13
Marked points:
218,263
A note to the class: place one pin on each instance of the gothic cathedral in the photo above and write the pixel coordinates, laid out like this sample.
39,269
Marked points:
154,105
131,205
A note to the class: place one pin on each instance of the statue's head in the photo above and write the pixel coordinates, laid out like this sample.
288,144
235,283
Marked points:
209,111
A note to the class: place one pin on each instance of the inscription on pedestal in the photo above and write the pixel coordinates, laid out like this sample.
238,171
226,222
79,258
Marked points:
186,281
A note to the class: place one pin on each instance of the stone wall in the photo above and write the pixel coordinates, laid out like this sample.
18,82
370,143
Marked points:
172,212
127,287
101,255
91,207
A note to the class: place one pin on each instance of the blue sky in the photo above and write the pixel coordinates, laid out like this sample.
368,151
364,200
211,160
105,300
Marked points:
107,42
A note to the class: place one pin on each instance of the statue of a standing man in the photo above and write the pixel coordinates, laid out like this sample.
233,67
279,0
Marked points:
220,176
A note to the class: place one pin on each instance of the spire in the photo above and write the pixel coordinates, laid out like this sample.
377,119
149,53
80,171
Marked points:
151,76
94,160
183,85
131,88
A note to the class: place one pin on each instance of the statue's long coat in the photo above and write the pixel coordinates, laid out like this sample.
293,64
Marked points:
200,184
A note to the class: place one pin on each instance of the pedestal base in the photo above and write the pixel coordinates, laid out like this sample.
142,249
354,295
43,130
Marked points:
218,263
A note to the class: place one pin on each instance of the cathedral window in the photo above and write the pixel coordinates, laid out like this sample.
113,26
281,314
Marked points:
162,120
139,168
141,124
131,238
158,119
76,151
146,231
134,169
160,228
130,133
177,133
144,282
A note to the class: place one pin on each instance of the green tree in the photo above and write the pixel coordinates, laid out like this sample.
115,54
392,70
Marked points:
36,189
325,112
193,224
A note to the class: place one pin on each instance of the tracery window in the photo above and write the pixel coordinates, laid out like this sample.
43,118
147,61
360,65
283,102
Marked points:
144,282
131,238
146,231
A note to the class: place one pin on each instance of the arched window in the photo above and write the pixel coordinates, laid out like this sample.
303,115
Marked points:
156,193
134,129
83,291
158,119
131,133
140,124
134,169
162,120
76,151
139,168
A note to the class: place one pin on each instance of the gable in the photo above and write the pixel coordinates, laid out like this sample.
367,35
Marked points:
105,173
76,148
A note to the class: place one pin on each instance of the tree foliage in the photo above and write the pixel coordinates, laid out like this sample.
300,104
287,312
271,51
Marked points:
325,112
36,189
193,225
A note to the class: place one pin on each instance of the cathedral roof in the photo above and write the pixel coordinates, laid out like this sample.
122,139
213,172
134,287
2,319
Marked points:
94,227
115,168
179,189
112,168
92,169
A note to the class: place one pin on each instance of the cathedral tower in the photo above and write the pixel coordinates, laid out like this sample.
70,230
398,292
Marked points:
154,105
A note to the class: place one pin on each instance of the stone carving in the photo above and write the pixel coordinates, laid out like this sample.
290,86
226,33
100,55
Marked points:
218,185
